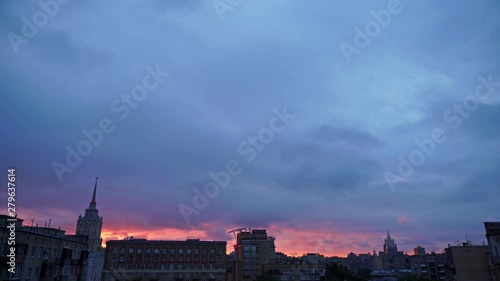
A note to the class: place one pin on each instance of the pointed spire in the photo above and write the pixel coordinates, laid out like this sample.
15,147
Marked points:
93,203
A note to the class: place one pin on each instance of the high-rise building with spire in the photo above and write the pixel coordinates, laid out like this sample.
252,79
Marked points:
91,224
390,247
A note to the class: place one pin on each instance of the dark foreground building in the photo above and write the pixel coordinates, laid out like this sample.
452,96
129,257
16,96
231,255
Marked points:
42,253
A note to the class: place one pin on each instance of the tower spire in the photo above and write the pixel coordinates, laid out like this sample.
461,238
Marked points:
93,203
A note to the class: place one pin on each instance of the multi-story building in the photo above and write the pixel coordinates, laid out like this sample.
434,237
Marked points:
356,263
141,259
390,258
431,266
253,250
419,251
467,262
390,247
300,271
493,236
90,225
42,253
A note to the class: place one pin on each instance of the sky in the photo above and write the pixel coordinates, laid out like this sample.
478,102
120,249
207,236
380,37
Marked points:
328,123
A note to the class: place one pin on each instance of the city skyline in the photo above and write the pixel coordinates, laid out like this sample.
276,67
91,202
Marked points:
325,124
309,242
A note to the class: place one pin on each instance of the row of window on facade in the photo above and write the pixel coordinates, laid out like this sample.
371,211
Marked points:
164,266
171,275
164,251
164,258
44,252
30,273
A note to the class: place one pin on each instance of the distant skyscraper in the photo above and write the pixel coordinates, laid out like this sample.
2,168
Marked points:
419,251
91,224
390,247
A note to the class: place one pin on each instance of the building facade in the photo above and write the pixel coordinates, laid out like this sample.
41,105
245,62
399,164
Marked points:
43,253
253,250
467,262
141,259
493,236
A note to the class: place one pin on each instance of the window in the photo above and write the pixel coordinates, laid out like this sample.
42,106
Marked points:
196,251
180,258
204,251
139,250
114,251
171,258
196,258
219,251
122,250
181,251
212,251
172,251
156,251
188,251
163,258
188,258
163,251
130,250
122,258
148,251
33,251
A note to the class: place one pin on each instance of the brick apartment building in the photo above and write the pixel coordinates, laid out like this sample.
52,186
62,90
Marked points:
141,259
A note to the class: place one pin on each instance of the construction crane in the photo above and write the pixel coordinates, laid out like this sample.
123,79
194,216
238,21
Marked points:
238,230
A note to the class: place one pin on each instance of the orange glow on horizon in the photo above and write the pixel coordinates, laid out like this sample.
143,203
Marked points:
290,241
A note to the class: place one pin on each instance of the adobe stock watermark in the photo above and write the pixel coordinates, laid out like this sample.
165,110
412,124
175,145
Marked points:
363,38
249,149
122,107
223,6
30,28
454,118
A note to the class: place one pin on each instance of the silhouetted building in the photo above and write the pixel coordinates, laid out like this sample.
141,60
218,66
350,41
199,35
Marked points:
390,258
467,262
390,247
90,225
300,271
431,266
42,253
493,236
141,259
419,251
253,250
